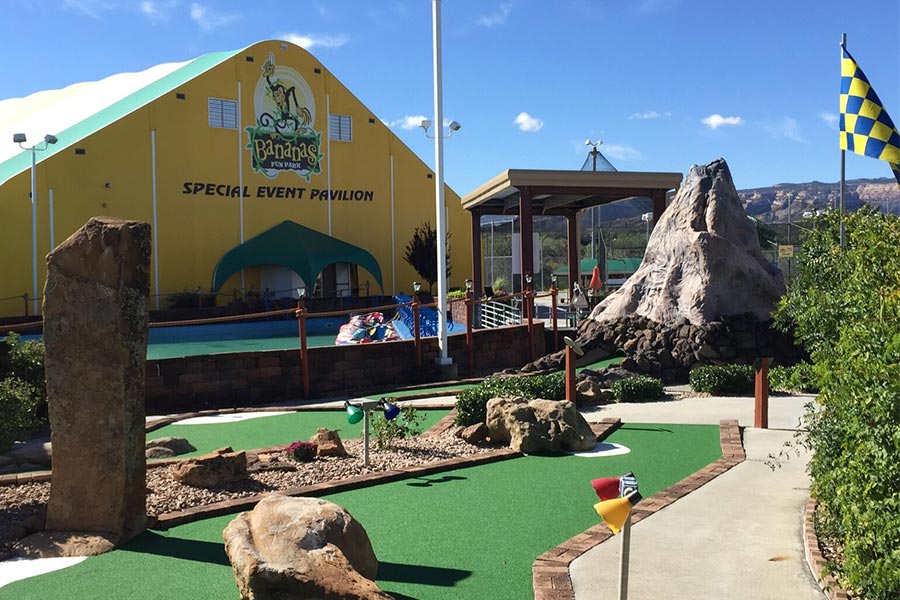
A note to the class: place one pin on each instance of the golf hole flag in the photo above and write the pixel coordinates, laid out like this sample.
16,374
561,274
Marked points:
866,127
617,496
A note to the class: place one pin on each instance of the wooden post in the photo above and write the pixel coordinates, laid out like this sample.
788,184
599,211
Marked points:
553,292
416,341
304,353
470,337
761,409
570,374
25,298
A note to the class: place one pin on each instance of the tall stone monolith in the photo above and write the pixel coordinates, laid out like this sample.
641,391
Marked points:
95,336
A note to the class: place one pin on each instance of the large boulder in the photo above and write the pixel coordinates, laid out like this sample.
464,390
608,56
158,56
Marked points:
290,547
95,339
211,470
703,260
531,426
175,445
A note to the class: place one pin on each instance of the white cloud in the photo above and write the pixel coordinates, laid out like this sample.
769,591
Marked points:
788,128
621,152
526,122
91,8
408,122
715,121
497,17
208,20
156,9
830,118
650,114
309,41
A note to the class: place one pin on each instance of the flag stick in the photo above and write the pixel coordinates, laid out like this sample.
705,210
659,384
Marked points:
623,558
843,153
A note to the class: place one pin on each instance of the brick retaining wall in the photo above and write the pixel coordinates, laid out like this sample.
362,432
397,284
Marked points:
252,378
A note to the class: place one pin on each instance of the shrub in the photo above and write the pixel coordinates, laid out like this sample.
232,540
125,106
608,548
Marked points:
637,389
24,361
722,379
471,404
456,294
797,378
19,403
190,299
301,451
408,423
844,307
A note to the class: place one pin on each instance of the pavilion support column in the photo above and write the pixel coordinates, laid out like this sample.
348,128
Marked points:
525,228
659,204
574,243
476,254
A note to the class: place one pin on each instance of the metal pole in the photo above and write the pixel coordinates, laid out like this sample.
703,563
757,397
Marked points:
366,438
843,45
34,283
443,358
155,232
624,558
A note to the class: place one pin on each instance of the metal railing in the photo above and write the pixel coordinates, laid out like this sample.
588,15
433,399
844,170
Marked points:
499,313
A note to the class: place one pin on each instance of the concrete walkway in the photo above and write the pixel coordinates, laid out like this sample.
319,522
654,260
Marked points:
738,537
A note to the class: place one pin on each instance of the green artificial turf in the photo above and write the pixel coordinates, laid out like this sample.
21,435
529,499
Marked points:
276,430
468,533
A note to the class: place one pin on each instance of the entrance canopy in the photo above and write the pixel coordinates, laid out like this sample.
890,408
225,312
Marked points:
303,250
529,192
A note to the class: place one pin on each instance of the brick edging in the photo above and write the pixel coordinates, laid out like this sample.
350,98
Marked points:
815,560
550,575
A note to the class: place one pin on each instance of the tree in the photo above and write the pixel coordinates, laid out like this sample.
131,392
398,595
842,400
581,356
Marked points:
421,253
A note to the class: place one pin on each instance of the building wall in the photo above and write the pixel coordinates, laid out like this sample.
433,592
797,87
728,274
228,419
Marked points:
199,170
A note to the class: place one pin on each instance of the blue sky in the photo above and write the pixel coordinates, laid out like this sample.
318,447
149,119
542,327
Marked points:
664,83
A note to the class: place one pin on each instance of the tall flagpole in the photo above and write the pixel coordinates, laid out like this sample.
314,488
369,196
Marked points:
843,153
443,358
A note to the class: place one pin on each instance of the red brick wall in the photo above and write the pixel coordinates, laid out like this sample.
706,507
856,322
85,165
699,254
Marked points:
252,378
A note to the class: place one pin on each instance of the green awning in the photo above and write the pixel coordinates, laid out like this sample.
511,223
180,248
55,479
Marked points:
613,265
303,250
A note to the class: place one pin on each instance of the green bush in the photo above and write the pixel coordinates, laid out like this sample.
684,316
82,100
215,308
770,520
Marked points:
19,403
797,378
471,404
24,360
843,305
722,379
23,367
408,423
637,389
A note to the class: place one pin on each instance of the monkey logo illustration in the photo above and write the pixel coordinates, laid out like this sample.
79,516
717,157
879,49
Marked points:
283,138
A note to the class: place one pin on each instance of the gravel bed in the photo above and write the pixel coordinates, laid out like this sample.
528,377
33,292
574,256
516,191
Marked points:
23,507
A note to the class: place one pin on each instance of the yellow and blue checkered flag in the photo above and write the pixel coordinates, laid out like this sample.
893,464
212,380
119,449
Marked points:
866,128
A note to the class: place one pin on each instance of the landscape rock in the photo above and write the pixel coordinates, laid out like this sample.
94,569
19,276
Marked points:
210,470
474,434
176,445
298,547
158,452
589,391
703,260
56,544
328,443
531,426
95,341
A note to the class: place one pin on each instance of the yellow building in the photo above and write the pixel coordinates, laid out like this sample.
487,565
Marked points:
217,153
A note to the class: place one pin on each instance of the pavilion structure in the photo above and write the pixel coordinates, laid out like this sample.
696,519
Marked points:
528,192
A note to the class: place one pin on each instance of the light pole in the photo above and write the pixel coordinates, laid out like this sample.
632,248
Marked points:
20,139
443,358
646,218
594,152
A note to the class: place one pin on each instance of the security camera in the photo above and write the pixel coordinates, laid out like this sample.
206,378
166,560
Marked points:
19,138
454,126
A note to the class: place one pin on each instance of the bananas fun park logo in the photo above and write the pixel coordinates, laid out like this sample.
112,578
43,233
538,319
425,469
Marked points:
283,138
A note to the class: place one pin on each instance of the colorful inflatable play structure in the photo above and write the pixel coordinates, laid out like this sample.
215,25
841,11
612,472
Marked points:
367,328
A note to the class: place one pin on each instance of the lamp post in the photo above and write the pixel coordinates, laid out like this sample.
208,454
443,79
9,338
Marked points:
20,139
443,358
647,217
594,152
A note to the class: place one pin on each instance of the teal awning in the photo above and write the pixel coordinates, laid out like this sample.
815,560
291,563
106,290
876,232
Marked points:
301,249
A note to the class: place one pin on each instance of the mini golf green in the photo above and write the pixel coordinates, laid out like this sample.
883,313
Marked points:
276,430
468,533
